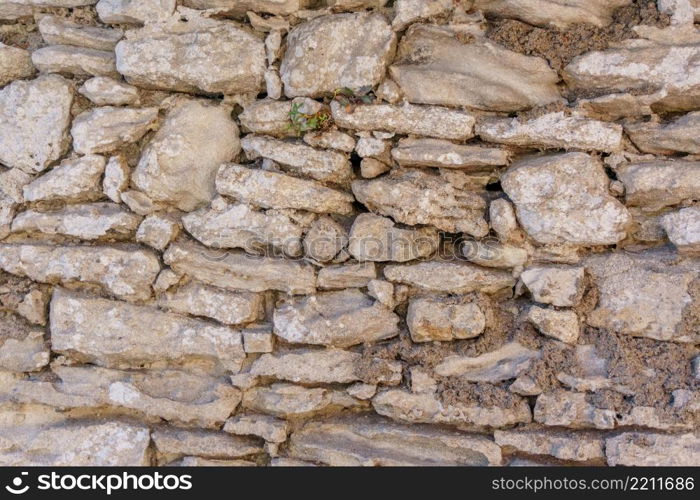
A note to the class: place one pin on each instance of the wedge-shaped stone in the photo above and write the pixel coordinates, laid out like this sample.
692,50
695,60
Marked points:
450,277
134,11
88,222
316,63
552,13
683,229
110,334
57,31
642,64
646,295
192,53
22,346
225,306
446,154
557,285
76,61
74,444
432,121
73,180
240,226
434,67
338,319
504,363
105,129
294,401
657,184
561,325
377,238
427,408
271,429
571,409
433,318
563,198
677,136
34,120
174,396
105,91
239,271
324,366
322,165
553,130
15,63
371,441
346,276
579,447
180,163
174,443
415,197
275,190
649,449
12,182
124,272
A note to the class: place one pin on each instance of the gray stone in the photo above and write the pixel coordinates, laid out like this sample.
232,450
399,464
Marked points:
504,363
444,154
116,178
106,91
325,239
449,277
377,238
57,31
158,230
683,229
579,447
75,61
134,11
552,13
73,180
660,183
677,136
105,129
346,276
22,346
649,449
571,409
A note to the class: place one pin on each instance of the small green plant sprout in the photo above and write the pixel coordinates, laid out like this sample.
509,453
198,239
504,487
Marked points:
304,122
350,98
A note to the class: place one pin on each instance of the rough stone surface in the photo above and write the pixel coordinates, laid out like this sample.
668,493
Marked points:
76,61
308,70
449,277
648,449
504,363
377,238
556,285
444,154
338,319
15,63
561,325
105,91
683,229
579,447
194,133
444,319
657,184
677,136
570,204
34,121
108,128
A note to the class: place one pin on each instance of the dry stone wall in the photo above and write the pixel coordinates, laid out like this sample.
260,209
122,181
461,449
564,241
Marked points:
331,232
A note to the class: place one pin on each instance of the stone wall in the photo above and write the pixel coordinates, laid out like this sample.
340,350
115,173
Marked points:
349,232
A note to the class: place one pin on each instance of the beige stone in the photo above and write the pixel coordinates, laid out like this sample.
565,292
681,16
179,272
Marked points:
552,13
109,333
677,136
346,276
415,197
258,339
434,67
57,31
325,239
105,129
116,178
271,429
322,165
125,272
445,154
134,11
238,271
338,319
358,62
431,319
89,221
377,238
275,190
369,441
504,363
563,198
22,346
191,53
197,133
77,179
409,11
75,61
31,137
660,183
333,139
571,409
157,231
683,229
557,285
15,63
561,325
106,91
449,277
289,400
432,121
649,449
174,443
579,447
489,253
